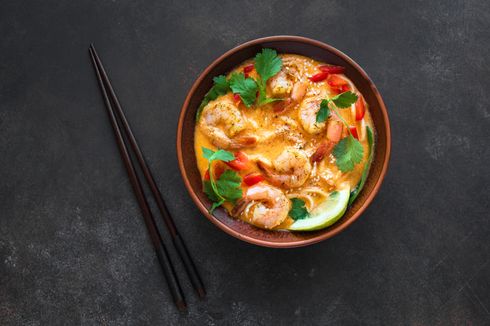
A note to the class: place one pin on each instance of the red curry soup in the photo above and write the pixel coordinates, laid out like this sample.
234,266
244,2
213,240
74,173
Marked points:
284,142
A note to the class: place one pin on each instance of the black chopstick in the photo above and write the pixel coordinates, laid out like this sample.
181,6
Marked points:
176,238
156,238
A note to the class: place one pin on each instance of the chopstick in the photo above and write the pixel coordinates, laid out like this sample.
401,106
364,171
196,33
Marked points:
156,238
177,240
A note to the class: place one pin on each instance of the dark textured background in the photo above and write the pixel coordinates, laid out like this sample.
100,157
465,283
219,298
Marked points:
73,246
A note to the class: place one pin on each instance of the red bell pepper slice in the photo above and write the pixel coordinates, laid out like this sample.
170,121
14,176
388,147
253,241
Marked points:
253,178
353,131
248,68
360,108
336,81
318,77
240,162
332,69
237,99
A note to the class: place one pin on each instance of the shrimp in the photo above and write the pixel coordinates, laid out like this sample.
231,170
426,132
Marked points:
298,91
264,205
334,133
224,124
288,82
307,115
290,169
280,84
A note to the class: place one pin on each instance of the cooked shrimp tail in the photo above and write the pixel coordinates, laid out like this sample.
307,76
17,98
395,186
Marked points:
334,133
224,125
264,205
290,169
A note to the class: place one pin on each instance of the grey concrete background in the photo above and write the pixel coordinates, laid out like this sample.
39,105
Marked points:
73,246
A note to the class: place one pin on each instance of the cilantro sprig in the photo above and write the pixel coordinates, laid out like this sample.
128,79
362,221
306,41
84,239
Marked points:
354,193
342,100
298,210
324,112
245,87
220,87
228,186
349,151
267,65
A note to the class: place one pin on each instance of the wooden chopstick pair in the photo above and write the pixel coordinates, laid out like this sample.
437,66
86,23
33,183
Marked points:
115,112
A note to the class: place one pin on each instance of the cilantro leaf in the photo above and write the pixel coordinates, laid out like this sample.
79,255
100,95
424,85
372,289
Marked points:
324,112
223,155
348,152
220,154
229,186
220,87
354,193
207,153
344,100
246,87
208,190
298,210
267,64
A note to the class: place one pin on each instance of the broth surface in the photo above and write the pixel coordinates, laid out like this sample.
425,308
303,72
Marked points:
288,130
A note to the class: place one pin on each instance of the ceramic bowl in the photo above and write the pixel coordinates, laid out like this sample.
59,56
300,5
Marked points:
283,44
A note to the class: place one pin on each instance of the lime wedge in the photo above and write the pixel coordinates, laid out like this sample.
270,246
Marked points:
326,213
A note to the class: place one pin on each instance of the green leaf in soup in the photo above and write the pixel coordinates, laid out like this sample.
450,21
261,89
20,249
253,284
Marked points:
267,64
220,155
229,186
348,152
209,191
220,87
365,172
298,210
245,87
223,155
207,153
324,112
344,100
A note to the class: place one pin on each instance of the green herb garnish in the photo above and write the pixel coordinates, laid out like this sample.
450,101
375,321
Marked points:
324,112
360,185
220,155
267,64
228,185
245,87
298,210
349,151
220,87
342,100
345,99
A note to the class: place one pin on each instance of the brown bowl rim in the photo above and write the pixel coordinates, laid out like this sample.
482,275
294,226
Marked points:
334,230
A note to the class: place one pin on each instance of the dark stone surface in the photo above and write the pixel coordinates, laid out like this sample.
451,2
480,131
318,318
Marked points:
73,246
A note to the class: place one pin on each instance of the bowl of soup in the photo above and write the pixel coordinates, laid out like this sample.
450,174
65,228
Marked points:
283,141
